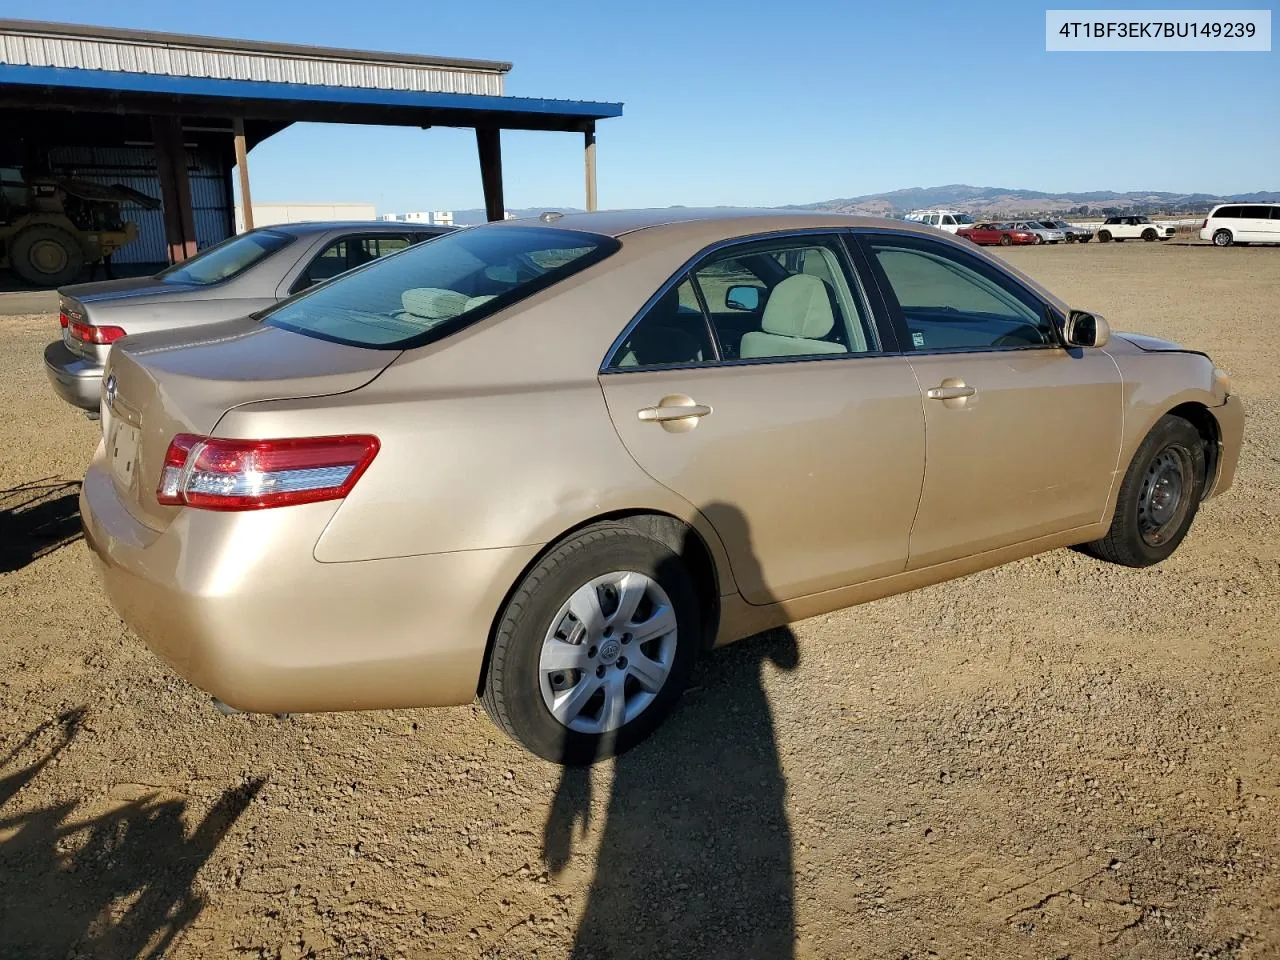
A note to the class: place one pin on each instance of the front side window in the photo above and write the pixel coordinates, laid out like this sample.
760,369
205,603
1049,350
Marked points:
227,259
760,300
951,301
433,289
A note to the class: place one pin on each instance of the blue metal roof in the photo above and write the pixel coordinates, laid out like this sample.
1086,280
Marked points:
166,85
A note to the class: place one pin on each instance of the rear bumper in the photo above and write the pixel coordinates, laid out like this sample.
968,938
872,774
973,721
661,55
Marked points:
237,605
1230,417
74,379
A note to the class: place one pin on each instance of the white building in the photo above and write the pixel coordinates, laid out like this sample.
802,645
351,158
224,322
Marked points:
442,218
265,214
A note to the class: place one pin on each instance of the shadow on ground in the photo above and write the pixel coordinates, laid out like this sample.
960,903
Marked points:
36,519
695,853
115,885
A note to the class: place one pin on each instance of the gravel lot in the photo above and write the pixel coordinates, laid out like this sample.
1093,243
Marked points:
1052,759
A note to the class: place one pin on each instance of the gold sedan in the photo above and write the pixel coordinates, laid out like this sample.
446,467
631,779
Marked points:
548,462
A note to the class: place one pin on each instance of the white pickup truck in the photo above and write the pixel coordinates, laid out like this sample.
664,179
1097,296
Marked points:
1121,229
948,220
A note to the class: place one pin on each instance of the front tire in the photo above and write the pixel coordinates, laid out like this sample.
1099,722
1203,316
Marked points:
1149,235
1006,240
46,256
1104,236
594,647
1158,498
1222,238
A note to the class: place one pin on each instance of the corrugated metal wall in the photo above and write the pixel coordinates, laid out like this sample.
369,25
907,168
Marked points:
135,167
130,56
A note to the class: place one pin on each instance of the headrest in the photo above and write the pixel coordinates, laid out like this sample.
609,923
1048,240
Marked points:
433,303
800,306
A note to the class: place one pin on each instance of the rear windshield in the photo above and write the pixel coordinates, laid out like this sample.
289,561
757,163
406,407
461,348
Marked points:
431,290
225,260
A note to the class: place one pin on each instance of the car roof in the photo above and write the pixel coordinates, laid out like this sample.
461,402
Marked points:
312,227
709,224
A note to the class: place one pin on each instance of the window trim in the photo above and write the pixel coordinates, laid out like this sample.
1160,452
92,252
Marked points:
883,332
862,237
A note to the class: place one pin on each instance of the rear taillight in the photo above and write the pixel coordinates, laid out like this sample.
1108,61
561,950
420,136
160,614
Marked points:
63,319
88,333
212,473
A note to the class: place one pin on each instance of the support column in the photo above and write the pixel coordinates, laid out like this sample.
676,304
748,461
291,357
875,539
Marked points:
175,187
242,167
489,146
589,155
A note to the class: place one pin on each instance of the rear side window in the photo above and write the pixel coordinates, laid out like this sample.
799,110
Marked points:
227,259
433,289
1253,213
774,299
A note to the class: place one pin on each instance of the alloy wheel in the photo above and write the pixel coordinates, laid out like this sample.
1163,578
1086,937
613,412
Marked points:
608,652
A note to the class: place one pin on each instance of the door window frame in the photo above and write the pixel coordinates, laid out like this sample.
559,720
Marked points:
883,333
892,310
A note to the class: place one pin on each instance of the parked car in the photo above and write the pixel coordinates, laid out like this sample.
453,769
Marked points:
952,221
1045,234
230,279
1242,223
1004,234
1074,233
1121,229
551,461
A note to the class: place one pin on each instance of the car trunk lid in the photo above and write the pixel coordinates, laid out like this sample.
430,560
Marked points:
158,385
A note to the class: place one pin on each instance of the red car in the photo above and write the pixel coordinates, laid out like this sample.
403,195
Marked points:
986,234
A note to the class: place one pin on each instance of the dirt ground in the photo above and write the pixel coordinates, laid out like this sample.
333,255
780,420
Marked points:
1052,759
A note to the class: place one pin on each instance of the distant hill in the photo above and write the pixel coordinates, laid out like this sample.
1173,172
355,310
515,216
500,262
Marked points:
986,202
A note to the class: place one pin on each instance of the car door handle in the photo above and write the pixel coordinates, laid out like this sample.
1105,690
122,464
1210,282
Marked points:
663,412
951,392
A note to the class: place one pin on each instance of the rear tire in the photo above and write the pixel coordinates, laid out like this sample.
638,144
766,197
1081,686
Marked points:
556,649
1158,498
1104,236
46,256
1222,238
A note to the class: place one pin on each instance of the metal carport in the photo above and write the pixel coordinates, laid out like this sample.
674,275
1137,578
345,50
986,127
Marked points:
198,104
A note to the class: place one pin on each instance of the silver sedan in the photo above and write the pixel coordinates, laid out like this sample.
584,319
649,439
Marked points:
1046,234
235,278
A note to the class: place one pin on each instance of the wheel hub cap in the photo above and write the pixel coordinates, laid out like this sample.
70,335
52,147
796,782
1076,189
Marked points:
608,652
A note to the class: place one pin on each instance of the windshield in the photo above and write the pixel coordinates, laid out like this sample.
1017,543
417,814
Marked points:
429,291
224,260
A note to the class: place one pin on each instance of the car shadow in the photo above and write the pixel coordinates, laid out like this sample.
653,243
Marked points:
119,884
36,519
695,853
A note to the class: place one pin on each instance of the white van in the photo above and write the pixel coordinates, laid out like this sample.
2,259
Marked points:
1230,223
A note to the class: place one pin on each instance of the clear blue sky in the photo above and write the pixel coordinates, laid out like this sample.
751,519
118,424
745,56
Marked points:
760,103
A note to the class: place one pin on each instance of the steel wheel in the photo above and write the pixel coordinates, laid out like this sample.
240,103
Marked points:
608,653
1162,501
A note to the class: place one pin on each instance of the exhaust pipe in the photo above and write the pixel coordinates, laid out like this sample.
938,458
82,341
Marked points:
227,710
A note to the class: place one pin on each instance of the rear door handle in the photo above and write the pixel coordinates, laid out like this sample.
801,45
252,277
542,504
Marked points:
951,393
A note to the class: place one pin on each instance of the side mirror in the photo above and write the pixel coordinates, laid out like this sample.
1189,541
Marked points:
1086,330
742,298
